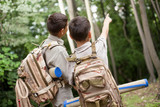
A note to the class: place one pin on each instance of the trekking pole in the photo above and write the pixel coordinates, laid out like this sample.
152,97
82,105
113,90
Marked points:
122,89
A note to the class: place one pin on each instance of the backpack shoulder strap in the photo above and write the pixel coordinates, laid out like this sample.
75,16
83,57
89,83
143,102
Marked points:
94,49
93,55
73,58
51,45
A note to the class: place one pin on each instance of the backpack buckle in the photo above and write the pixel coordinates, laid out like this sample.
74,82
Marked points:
35,94
93,57
78,61
60,84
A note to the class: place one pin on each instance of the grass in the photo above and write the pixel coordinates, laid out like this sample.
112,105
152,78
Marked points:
145,97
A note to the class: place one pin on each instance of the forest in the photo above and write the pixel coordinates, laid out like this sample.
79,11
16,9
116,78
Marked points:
133,42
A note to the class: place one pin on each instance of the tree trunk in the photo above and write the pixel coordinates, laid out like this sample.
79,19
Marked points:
71,44
110,50
149,41
71,8
156,21
145,49
75,8
97,31
112,59
148,38
156,10
90,18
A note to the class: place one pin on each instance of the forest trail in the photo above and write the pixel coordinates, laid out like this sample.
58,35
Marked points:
144,97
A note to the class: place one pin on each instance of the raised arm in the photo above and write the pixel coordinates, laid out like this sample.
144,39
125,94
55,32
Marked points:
105,28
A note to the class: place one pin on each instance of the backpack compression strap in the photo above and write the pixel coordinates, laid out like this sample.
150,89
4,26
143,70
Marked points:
73,57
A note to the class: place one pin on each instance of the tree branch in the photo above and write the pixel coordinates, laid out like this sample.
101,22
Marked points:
153,4
1,22
124,30
158,8
123,75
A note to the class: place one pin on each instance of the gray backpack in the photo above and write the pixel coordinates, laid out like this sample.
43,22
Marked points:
94,82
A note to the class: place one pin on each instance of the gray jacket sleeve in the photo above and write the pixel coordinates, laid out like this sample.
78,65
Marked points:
101,49
56,57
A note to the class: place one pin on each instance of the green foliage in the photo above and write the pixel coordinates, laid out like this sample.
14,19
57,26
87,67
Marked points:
8,76
8,98
7,64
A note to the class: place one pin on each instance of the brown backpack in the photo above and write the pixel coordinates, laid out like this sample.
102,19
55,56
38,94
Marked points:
94,82
34,80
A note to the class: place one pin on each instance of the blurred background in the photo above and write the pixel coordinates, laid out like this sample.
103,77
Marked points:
133,43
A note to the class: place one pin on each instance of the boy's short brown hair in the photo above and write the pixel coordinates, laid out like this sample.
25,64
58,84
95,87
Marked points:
79,28
56,22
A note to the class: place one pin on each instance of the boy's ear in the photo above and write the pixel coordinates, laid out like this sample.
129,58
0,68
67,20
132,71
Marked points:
61,31
89,34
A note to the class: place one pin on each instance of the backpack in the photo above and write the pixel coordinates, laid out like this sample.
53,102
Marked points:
34,82
94,82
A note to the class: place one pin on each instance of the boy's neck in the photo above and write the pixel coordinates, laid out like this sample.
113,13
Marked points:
58,35
80,43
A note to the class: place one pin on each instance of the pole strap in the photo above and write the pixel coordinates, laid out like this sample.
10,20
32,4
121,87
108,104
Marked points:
44,90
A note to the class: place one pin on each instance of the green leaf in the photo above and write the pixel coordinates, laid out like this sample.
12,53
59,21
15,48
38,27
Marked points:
6,49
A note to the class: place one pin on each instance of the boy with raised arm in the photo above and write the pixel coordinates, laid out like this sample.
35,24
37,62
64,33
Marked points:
79,64
79,28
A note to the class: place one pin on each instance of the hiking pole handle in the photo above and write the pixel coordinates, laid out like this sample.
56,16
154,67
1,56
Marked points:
122,89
